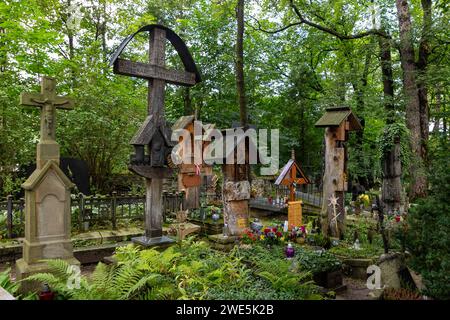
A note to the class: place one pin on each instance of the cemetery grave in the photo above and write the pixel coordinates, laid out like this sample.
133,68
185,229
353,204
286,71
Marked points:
201,213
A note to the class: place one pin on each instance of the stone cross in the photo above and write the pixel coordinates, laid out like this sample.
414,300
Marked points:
157,76
48,101
47,192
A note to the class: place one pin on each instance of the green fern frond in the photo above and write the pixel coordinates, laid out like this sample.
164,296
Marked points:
60,268
141,284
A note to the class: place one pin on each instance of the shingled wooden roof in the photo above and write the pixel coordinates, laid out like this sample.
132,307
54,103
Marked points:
334,116
287,169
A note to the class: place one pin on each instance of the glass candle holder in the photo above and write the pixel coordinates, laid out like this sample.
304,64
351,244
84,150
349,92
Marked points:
289,251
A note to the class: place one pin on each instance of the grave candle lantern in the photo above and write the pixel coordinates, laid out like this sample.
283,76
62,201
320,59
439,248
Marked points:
289,251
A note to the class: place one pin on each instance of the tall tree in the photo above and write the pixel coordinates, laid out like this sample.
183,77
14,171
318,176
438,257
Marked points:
239,66
390,157
415,93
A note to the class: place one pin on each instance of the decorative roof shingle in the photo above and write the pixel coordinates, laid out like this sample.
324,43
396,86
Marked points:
334,116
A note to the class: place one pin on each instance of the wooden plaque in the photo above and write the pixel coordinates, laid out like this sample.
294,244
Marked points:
191,180
294,214
242,223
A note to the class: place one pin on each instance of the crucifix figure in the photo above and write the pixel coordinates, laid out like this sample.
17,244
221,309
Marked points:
48,101
154,133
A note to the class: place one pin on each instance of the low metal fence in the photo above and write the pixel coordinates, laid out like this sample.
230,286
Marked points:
89,210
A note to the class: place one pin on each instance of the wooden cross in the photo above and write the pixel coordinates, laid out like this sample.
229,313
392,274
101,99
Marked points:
48,101
293,180
157,76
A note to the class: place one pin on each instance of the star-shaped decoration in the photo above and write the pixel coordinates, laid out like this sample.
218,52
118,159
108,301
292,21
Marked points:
333,200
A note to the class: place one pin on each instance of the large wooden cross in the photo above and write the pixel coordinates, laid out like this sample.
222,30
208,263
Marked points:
156,73
157,76
48,101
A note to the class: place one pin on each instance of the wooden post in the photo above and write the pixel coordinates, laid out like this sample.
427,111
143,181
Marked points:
81,213
113,210
9,215
153,222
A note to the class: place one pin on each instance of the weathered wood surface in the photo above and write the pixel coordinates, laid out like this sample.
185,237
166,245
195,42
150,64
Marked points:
151,172
333,184
149,71
153,208
294,214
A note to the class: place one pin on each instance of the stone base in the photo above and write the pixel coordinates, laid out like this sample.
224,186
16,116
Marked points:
153,242
24,270
219,242
181,230
358,267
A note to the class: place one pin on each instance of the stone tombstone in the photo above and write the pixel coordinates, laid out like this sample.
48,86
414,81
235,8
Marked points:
47,191
152,142
338,122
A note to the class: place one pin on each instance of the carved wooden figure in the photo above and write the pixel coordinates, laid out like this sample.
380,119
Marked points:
292,175
337,121
155,134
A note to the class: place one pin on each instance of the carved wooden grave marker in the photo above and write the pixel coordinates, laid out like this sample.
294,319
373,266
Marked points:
291,175
191,173
155,134
338,121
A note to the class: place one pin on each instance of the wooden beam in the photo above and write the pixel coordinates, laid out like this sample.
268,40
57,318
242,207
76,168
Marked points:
151,71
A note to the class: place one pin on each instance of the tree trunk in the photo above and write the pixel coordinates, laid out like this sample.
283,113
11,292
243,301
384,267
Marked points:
413,109
390,161
422,65
187,101
240,63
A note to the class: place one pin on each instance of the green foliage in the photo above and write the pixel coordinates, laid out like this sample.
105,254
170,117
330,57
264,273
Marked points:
429,228
317,261
366,251
387,138
190,270
13,287
7,284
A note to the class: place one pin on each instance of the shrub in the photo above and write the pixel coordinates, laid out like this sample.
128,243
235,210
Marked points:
427,238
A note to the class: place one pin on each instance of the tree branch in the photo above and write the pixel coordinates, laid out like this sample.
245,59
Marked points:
334,32
303,20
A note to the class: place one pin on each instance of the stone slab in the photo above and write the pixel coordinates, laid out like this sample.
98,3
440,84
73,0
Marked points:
147,242
184,229
219,238
5,295
24,270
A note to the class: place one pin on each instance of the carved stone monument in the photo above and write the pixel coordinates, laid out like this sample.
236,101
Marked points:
155,134
47,191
